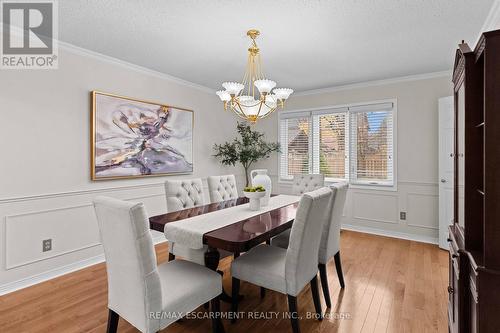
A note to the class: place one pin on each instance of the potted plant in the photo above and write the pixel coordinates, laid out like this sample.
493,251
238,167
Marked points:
249,148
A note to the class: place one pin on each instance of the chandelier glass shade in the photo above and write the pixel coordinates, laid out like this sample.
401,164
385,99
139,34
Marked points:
255,97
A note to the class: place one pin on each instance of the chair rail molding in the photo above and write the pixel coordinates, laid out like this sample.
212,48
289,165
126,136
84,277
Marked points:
79,192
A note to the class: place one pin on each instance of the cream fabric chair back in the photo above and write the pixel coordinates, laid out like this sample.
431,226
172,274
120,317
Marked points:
302,253
183,194
134,288
330,238
222,188
307,183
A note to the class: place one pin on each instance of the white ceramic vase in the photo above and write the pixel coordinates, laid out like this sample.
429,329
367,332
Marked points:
260,177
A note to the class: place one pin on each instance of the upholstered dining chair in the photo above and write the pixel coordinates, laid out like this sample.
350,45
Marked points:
302,183
306,183
330,240
184,194
147,295
222,188
289,270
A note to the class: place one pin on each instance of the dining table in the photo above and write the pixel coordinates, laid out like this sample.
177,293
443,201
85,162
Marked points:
237,235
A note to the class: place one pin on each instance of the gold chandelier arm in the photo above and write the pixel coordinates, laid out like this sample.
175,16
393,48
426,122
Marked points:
238,112
240,109
260,108
268,114
270,106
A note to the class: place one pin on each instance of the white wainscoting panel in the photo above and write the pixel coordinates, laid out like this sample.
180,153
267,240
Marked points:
377,212
374,206
71,228
69,220
423,210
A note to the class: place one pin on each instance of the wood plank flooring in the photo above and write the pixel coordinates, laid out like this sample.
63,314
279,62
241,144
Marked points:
392,285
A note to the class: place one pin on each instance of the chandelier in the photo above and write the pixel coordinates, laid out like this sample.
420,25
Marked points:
241,97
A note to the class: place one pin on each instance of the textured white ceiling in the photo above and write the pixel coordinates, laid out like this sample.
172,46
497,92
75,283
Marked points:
304,44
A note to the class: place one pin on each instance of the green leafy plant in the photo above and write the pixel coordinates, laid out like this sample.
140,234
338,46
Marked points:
254,189
247,149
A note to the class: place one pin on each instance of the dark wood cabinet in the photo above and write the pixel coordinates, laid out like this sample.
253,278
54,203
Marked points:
474,282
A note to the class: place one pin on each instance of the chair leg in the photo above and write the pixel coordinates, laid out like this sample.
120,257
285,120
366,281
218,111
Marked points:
262,292
316,300
217,326
171,256
292,312
235,291
324,284
338,266
112,321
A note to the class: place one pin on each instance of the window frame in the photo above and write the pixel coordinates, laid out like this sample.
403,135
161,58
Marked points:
380,186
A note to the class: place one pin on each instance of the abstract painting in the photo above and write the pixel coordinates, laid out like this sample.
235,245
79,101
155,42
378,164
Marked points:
134,138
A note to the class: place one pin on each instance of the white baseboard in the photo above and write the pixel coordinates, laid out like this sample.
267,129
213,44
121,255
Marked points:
48,275
393,234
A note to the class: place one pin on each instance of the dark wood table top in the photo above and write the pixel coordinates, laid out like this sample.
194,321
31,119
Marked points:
237,237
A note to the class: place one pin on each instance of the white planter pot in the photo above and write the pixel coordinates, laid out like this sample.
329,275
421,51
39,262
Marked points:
260,178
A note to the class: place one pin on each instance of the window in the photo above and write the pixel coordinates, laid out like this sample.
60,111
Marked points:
295,140
330,157
353,143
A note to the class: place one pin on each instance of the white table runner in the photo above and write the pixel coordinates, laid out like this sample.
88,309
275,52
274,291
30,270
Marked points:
189,232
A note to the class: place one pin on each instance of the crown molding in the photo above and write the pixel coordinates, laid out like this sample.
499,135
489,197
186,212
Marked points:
492,20
115,61
375,83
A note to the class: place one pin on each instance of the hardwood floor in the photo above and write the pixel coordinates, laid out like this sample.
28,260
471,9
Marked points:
392,285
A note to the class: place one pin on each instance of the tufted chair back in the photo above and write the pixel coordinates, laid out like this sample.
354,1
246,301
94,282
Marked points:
307,183
134,287
222,188
183,194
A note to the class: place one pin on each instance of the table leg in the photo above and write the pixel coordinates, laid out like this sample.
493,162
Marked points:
212,257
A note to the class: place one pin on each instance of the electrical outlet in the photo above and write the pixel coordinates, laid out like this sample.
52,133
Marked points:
402,215
46,245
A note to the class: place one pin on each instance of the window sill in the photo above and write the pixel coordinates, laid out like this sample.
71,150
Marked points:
358,186
374,187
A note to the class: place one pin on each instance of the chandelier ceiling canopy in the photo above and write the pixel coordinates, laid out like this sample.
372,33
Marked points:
255,97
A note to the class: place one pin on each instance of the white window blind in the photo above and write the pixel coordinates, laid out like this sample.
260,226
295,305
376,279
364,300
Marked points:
330,145
353,143
371,153
295,146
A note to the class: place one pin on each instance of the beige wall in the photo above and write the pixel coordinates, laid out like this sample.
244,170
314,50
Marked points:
45,187
417,157
46,190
